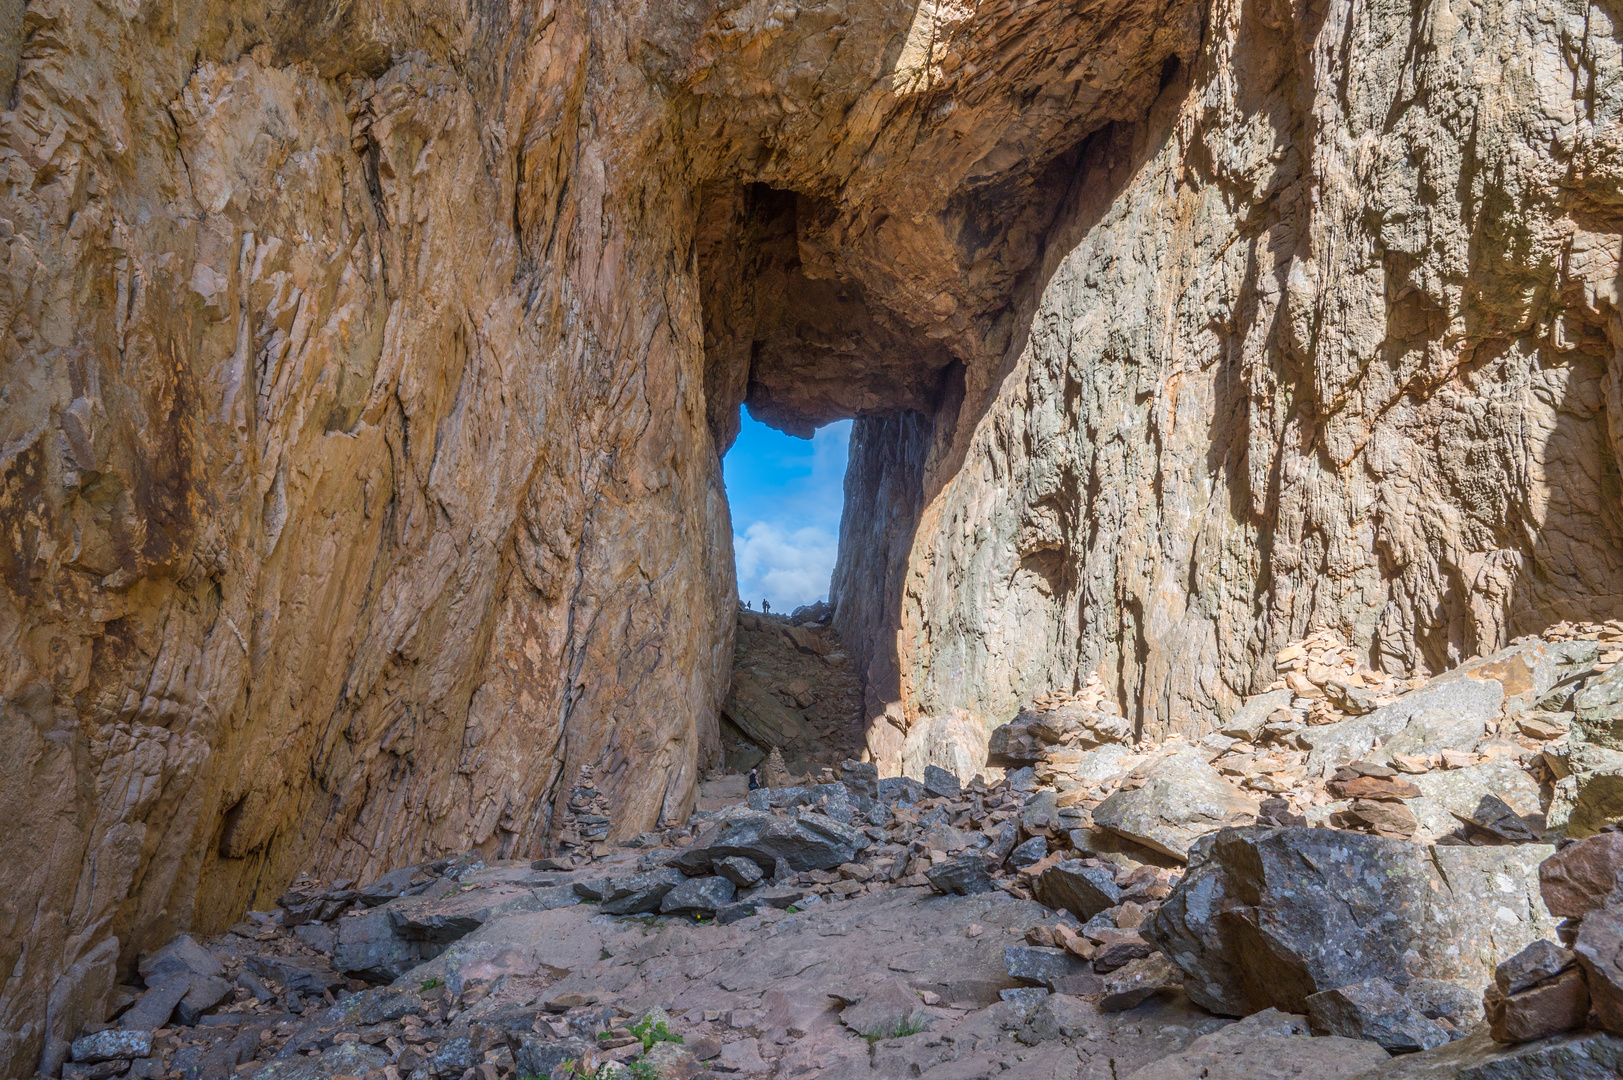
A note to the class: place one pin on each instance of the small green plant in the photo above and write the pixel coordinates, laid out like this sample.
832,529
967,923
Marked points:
650,1033
899,1030
791,909
432,984
642,1070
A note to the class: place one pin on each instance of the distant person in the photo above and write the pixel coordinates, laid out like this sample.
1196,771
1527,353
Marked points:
766,608
755,779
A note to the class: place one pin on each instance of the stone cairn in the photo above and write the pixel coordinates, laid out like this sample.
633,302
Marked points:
586,820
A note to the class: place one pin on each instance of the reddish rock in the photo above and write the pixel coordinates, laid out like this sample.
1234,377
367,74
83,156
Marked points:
1561,1004
1584,876
1600,954
1373,787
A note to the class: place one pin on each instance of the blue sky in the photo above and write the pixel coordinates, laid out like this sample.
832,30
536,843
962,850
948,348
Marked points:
785,495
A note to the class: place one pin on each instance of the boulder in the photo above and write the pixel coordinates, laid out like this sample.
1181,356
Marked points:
759,714
205,992
1431,731
638,894
1600,954
1032,851
1584,876
1373,1010
153,1008
537,1055
1084,889
1036,964
1247,721
900,791
1183,799
807,842
940,783
390,886
700,895
1449,795
448,918
1131,985
370,947
182,956
741,872
1268,917
1560,1003
1590,797
384,1003
963,876
1598,711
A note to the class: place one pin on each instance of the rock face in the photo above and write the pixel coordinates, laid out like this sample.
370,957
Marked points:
1233,405
1269,917
365,379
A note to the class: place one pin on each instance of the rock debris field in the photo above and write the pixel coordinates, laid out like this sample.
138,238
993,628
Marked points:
1357,877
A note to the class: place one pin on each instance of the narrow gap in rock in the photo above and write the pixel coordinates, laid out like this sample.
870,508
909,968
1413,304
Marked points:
794,688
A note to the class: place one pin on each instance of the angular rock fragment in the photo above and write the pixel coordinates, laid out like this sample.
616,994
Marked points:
296,973
700,895
1083,889
808,842
1584,876
1600,954
1182,800
183,956
741,872
1047,966
1373,1010
640,893
153,1008
370,947
1135,982
940,783
883,1010
1032,851
963,876
111,1045
1559,1003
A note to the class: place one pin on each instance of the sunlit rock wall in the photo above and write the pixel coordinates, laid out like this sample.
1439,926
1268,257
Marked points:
1331,337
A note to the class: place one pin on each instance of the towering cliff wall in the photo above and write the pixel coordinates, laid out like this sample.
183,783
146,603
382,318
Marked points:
1329,337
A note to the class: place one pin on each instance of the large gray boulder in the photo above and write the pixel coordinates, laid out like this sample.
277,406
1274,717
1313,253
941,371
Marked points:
1268,917
1183,800
807,842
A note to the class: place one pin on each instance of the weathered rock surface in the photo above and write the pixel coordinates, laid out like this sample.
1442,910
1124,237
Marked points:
1270,917
1181,800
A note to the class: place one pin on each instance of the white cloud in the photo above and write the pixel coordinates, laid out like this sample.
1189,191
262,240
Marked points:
789,568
